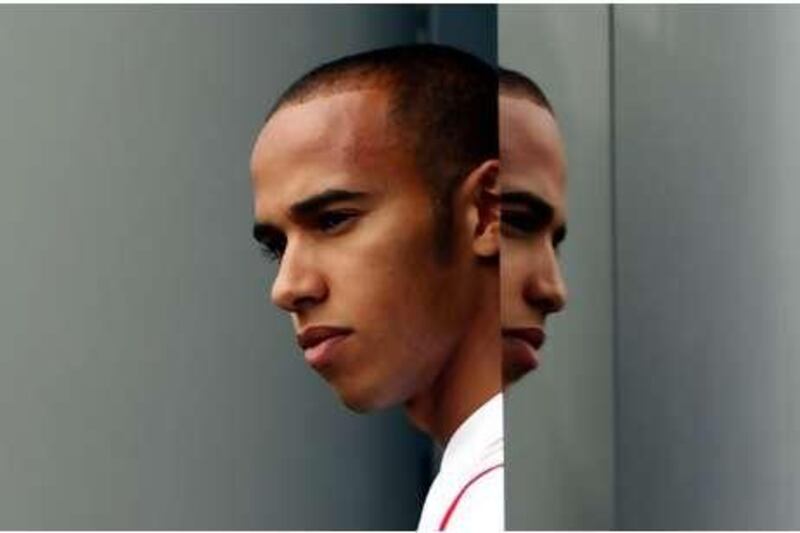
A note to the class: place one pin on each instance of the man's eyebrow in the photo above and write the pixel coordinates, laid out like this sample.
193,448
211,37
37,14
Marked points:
312,204
529,200
264,232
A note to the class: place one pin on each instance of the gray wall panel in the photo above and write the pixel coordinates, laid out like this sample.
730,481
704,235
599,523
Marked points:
145,380
708,128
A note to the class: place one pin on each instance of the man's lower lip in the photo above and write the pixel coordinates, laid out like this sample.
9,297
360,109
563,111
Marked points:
520,353
323,353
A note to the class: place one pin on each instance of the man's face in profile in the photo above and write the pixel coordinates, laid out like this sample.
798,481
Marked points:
338,198
533,225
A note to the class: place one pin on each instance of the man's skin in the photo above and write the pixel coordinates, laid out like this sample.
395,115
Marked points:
339,198
533,178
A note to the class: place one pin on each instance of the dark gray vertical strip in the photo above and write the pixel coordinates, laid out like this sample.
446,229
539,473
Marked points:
612,168
472,28
425,24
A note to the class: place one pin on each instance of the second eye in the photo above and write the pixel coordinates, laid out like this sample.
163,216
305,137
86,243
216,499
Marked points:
520,221
330,221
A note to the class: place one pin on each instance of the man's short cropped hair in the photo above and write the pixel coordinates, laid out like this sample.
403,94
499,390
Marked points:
519,85
442,100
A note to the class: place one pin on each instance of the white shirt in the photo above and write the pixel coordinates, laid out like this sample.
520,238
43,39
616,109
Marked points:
467,494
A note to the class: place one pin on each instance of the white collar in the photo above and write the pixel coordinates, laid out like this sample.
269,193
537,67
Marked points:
477,436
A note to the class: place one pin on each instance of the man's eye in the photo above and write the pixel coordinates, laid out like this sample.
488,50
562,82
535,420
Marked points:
273,251
332,220
519,221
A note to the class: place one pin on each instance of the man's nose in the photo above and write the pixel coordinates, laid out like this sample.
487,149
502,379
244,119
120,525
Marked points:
545,288
299,284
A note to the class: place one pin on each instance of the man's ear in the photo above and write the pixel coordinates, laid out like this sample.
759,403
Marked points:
482,187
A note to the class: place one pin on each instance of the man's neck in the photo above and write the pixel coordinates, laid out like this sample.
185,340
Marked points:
470,378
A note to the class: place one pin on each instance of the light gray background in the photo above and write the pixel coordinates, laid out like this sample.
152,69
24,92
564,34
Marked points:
145,379
559,466
708,177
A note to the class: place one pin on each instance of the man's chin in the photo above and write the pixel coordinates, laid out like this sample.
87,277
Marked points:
362,401
513,373
358,407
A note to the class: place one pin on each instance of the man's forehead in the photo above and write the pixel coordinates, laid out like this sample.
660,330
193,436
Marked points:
343,118
530,142
341,140
347,128
531,152
527,128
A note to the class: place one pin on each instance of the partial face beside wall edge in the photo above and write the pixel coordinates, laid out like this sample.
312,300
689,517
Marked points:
533,198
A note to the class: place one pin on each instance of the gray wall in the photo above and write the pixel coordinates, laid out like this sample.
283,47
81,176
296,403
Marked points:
145,380
708,128
559,421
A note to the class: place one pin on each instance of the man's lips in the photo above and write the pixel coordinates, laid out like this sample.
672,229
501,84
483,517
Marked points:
318,341
534,336
313,335
521,351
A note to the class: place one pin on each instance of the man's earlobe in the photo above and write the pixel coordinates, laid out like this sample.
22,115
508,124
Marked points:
484,183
